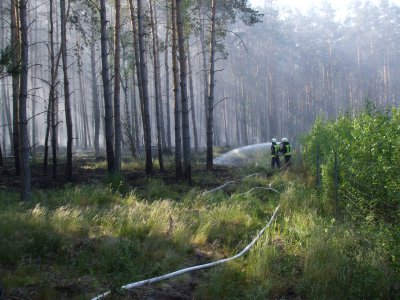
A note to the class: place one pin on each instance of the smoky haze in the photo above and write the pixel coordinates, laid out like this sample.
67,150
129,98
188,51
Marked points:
273,79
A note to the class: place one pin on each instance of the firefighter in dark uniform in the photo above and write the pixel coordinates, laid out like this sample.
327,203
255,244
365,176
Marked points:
286,150
275,154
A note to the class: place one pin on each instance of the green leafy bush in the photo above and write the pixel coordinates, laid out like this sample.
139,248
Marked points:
368,152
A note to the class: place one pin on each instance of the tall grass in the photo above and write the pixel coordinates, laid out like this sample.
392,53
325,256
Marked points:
101,238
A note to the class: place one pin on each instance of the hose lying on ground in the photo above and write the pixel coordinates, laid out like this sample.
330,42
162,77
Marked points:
194,268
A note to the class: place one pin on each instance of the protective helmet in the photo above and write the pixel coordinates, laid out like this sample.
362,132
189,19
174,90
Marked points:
284,139
273,140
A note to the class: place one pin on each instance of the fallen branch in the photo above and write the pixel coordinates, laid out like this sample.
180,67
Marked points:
258,187
229,182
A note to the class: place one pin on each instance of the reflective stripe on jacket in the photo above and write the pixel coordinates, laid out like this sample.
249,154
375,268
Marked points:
274,150
289,150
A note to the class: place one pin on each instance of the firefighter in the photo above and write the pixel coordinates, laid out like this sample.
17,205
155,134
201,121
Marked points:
286,150
275,154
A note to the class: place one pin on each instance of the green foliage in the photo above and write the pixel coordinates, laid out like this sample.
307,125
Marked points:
6,62
368,151
346,264
113,238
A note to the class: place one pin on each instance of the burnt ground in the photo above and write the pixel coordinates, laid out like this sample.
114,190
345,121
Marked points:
84,175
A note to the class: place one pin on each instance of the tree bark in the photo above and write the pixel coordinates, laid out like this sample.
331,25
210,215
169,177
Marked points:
15,38
177,102
95,92
192,108
187,154
54,63
68,118
145,102
117,87
23,95
1,155
108,119
168,111
157,85
210,94
138,72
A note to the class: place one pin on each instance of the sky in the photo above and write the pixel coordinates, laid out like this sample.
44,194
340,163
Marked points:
304,5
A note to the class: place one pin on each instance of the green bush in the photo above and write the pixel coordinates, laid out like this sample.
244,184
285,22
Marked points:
368,154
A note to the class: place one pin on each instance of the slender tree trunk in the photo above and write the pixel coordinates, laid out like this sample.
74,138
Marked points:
117,88
23,95
130,133
107,89
1,155
177,102
193,110
15,38
68,118
135,121
4,97
138,72
168,111
4,120
157,85
54,63
145,102
210,94
54,117
84,115
187,154
95,92
46,139
158,75
7,117
202,40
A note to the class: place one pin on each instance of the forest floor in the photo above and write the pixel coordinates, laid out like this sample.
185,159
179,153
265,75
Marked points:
88,170
80,239
92,171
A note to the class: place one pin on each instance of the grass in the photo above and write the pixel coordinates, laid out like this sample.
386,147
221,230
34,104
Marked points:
95,237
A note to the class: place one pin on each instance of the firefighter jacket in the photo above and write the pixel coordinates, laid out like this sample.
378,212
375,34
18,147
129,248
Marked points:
286,149
274,150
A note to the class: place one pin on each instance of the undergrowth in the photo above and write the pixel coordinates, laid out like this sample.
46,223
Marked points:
98,237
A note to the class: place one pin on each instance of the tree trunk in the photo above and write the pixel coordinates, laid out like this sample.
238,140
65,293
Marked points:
54,117
168,111
54,102
177,102
157,85
68,118
1,155
210,94
108,119
95,92
46,139
193,110
138,72
84,115
54,63
187,154
202,40
15,37
7,117
145,102
117,86
128,127
23,95
134,111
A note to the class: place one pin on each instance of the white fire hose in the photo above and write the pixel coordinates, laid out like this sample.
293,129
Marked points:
194,268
